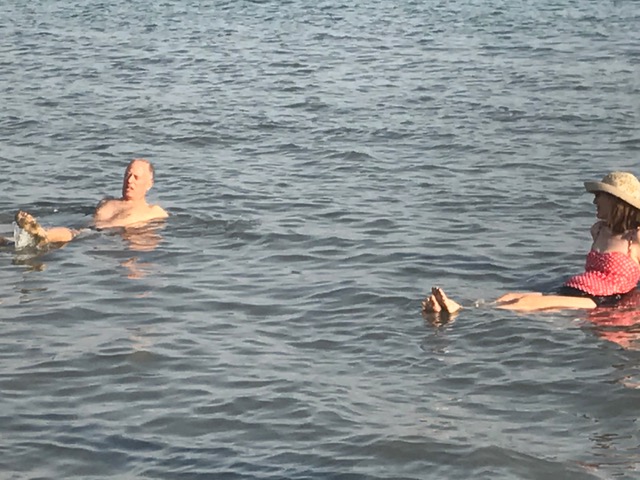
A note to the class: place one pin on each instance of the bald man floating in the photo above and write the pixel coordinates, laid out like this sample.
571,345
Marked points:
131,209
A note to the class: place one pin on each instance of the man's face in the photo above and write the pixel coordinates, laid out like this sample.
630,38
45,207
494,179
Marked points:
137,180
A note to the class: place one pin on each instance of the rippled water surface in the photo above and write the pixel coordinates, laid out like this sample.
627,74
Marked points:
324,164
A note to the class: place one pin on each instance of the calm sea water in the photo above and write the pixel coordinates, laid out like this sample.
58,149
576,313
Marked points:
324,164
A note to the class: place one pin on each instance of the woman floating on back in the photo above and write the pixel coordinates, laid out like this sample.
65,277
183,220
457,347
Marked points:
613,263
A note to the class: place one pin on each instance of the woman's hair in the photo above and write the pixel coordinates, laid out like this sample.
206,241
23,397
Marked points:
623,216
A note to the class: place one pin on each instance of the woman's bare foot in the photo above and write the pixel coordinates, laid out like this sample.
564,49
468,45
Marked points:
445,302
430,305
29,224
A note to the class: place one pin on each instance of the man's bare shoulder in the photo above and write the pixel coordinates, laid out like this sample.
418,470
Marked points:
158,212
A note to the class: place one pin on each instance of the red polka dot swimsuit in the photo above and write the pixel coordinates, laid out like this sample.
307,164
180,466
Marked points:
608,273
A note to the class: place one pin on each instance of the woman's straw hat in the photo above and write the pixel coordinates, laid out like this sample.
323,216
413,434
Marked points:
623,185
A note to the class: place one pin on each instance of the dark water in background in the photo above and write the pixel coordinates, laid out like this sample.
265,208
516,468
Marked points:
324,165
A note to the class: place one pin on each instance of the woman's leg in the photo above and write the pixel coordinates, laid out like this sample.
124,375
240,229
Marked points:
536,301
523,302
509,297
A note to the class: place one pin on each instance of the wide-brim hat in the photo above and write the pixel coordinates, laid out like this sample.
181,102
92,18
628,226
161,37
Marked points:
623,185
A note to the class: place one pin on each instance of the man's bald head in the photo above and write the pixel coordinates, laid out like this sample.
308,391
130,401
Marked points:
138,179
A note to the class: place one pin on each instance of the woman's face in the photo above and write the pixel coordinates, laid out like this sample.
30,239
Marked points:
604,204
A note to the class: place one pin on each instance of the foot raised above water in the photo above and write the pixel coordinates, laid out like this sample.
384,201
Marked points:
31,226
439,302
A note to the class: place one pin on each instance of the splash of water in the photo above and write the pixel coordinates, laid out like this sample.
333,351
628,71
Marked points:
22,239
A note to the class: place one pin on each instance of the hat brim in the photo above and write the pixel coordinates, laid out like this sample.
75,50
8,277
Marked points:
593,187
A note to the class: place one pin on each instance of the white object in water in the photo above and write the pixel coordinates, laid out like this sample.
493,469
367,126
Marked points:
22,239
